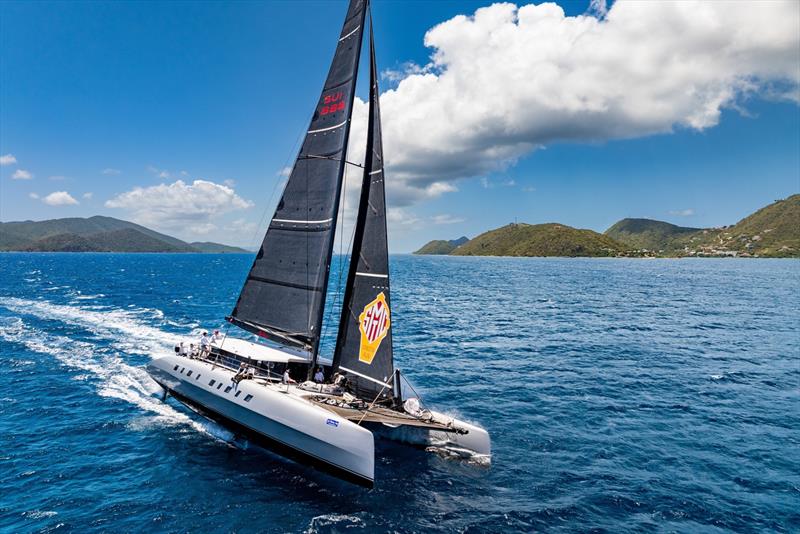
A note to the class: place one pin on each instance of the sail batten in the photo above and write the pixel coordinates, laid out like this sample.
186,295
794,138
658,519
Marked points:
284,293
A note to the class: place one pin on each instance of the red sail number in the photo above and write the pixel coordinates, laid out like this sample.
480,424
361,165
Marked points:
332,103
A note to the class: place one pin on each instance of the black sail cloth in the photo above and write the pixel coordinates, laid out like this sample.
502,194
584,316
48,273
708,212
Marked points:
283,297
364,343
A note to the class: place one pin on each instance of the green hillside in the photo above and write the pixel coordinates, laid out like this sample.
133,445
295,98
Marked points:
540,240
93,234
772,232
62,243
648,234
441,246
216,248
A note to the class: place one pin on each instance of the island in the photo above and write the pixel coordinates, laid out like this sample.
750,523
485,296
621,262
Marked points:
96,234
771,232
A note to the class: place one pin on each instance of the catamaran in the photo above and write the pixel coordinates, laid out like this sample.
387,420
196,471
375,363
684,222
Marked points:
328,423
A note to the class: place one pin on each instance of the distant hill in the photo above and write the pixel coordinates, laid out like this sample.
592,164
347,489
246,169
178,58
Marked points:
649,234
216,248
540,240
441,246
773,231
93,234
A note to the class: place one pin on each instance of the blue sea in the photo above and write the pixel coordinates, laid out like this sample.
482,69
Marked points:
621,396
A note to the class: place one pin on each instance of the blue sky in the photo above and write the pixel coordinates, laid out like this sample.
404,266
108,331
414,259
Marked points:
99,99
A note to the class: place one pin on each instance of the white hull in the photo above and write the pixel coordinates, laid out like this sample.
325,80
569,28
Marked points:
273,416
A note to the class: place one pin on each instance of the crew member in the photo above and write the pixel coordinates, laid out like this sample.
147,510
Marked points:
319,376
288,379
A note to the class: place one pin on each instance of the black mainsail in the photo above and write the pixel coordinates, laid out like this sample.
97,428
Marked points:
283,297
364,343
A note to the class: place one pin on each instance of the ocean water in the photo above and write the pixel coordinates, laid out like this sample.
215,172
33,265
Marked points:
621,395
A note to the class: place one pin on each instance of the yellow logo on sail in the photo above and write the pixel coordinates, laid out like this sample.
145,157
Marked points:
374,324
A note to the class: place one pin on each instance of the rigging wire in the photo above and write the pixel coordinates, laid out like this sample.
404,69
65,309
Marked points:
339,285
292,155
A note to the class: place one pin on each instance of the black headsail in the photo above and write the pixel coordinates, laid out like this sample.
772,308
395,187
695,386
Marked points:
283,297
364,343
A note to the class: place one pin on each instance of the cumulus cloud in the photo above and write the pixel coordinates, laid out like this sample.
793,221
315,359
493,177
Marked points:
88,196
682,213
59,198
508,80
21,174
110,172
180,206
7,159
34,196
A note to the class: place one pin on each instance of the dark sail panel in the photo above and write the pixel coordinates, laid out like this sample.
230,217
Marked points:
284,294
364,344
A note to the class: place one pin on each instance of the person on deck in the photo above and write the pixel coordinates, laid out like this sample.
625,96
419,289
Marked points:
241,374
204,341
216,337
288,379
319,376
192,351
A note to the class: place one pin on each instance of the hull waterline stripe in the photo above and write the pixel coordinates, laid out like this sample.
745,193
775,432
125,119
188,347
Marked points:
373,275
328,128
349,34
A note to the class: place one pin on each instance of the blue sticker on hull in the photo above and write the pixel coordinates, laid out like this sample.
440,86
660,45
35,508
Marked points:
332,422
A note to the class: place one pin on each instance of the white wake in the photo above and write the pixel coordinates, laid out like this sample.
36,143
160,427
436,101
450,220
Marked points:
113,376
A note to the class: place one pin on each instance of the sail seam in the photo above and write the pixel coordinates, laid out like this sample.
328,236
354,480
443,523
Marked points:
285,284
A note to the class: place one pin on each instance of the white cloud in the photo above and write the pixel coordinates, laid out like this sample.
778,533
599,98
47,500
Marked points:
682,213
161,173
528,189
59,198
34,196
400,216
7,159
88,196
180,206
509,80
21,174
242,226
490,184
110,172
285,172
446,219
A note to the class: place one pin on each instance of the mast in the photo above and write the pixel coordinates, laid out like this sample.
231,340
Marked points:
283,297
364,341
